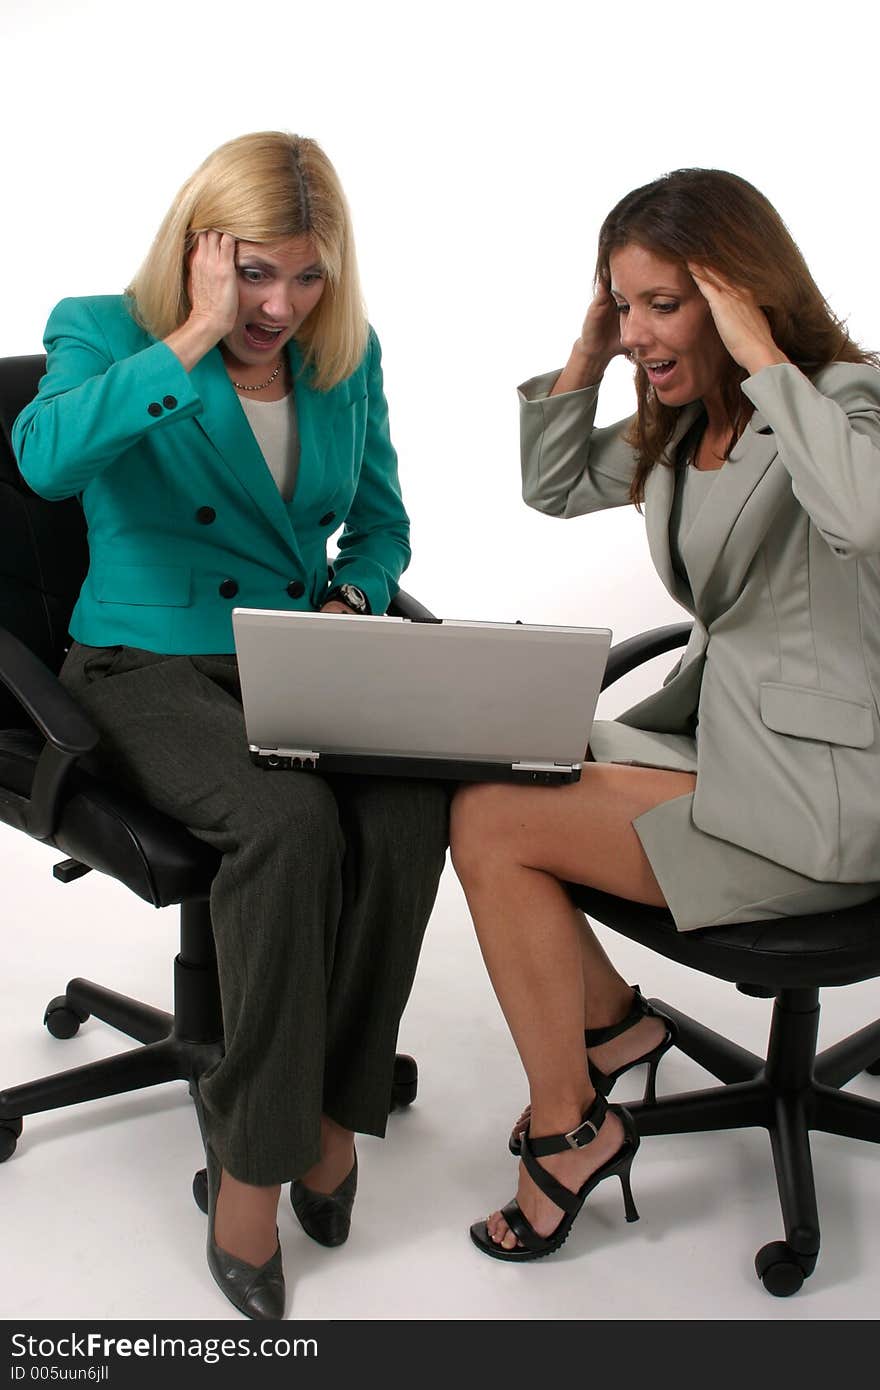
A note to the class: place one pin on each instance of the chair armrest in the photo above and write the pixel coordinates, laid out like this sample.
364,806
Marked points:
43,698
68,733
403,605
635,651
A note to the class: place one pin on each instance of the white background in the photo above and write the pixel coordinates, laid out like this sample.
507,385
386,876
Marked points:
480,145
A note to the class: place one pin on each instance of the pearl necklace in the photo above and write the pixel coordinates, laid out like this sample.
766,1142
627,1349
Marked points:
240,386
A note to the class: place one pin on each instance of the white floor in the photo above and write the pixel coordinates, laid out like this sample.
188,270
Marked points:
99,1221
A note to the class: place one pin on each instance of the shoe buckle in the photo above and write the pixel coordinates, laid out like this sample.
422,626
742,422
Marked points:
577,1139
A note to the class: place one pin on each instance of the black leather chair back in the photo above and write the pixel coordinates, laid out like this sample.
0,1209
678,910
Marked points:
43,560
43,551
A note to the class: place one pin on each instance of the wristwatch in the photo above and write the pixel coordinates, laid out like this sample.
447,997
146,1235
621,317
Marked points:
351,596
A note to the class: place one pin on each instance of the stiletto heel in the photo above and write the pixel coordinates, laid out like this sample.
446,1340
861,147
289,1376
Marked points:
629,1205
650,1096
255,1290
595,1037
533,1246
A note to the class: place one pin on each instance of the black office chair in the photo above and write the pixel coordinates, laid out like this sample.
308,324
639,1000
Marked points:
794,1090
49,791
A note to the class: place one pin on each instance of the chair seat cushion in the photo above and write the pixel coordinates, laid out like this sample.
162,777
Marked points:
109,829
830,948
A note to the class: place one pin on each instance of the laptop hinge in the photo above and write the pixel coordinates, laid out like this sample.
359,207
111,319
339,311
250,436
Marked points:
527,766
284,757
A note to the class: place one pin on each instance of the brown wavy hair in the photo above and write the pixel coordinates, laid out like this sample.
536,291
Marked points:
718,220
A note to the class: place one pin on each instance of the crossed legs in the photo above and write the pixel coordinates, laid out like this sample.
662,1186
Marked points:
513,848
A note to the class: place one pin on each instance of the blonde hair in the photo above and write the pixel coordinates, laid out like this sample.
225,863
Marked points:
267,187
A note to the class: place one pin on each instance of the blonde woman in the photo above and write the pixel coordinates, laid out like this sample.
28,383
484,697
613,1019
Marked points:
220,421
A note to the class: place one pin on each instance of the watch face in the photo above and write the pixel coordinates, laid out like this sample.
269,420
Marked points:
352,596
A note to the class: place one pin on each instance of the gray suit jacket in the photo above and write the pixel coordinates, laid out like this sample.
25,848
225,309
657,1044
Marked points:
783,667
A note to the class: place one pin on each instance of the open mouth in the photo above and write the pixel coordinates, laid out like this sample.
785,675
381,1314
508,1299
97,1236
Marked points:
660,371
260,337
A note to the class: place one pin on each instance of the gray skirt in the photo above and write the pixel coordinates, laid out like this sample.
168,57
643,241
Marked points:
709,882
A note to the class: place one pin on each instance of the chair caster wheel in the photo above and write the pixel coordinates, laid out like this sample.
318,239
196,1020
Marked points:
406,1082
780,1270
9,1132
61,1019
874,1068
200,1189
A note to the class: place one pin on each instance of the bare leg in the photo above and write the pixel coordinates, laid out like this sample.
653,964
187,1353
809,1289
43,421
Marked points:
511,846
607,999
607,995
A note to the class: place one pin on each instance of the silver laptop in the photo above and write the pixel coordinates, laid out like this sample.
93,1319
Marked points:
464,700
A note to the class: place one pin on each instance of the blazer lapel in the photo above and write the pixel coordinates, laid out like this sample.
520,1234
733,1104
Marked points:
225,424
735,516
313,412
659,493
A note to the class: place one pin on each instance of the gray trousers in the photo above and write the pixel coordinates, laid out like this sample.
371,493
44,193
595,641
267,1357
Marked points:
319,906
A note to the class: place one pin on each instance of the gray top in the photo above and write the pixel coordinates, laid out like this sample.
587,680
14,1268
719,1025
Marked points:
692,486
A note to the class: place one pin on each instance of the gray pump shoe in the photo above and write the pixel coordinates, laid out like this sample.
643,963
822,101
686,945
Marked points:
255,1290
326,1216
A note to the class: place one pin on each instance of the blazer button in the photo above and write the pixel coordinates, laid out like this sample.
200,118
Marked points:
154,408
205,515
169,402
228,589
325,520
296,588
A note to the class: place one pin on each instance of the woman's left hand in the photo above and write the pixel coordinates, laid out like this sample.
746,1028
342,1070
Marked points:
741,323
334,606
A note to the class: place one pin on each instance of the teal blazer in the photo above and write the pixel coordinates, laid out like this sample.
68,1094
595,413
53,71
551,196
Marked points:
185,520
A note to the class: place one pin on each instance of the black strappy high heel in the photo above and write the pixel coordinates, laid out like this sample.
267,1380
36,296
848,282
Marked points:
531,1245
595,1037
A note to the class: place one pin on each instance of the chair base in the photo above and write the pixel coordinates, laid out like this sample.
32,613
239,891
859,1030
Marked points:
176,1047
793,1091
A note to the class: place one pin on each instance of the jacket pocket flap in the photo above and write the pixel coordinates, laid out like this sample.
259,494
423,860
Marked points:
805,713
147,585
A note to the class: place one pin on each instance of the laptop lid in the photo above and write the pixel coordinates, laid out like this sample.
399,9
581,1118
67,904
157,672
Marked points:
459,699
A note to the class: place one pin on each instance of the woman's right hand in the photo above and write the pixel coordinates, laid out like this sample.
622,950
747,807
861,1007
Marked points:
593,350
600,334
212,285
213,296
